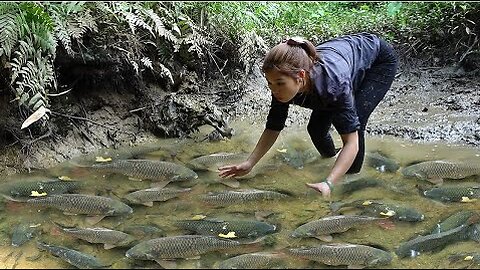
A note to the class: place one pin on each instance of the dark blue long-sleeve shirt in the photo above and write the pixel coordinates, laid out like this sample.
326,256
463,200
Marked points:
335,78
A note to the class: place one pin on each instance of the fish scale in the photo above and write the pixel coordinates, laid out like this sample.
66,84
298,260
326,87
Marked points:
242,228
154,194
149,169
260,260
100,235
242,196
433,241
332,224
441,169
344,254
24,189
83,204
176,247
452,193
74,257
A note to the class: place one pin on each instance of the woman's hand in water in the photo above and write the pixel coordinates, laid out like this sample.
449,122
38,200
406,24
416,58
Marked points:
321,187
235,170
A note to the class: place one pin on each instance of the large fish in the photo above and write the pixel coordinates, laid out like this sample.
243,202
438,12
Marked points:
241,196
109,238
214,161
236,228
378,208
433,242
350,186
324,227
23,190
380,162
73,257
154,170
344,254
84,205
258,260
150,195
451,193
453,221
435,171
22,233
178,247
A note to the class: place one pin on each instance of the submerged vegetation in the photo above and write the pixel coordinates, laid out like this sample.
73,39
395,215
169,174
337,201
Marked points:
48,48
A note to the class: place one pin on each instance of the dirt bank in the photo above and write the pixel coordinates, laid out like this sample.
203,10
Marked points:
425,104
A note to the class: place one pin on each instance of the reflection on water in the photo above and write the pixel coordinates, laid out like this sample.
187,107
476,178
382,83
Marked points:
307,205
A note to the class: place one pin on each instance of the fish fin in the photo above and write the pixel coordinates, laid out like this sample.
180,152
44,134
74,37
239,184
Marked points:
230,183
167,264
14,199
436,180
254,241
160,184
135,179
69,214
355,266
149,204
325,238
335,206
262,215
93,220
108,246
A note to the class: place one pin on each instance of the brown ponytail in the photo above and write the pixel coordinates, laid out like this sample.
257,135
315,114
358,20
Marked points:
291,56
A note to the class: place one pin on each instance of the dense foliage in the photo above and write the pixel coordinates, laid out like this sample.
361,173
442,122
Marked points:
208,37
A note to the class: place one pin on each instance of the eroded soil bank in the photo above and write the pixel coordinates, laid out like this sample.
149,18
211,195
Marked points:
425,104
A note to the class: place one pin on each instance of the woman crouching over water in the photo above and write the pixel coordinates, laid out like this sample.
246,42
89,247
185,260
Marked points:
342,81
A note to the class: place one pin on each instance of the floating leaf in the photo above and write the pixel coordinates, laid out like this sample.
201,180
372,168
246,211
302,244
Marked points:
284,150
102,159
37,194
467,199
389,213
35,117
228,235
64,178
198,217
367,203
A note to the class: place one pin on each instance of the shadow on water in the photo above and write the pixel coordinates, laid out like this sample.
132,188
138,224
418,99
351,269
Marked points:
306,206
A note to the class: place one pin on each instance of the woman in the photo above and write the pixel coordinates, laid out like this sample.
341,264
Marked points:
342,80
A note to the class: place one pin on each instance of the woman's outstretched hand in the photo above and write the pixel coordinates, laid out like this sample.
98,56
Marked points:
235,170
321,187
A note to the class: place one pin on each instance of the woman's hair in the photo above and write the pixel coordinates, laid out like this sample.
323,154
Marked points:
291,56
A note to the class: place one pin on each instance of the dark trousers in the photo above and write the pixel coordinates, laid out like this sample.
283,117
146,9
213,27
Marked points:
374,86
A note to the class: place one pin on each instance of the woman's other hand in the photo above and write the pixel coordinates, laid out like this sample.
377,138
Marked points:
235,170
321,187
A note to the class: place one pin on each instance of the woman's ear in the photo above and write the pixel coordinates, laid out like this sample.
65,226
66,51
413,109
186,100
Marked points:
302,73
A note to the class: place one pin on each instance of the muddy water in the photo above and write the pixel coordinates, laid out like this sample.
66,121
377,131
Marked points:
307,205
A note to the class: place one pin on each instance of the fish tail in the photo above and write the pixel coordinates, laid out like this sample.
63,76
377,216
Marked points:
386,223
335,206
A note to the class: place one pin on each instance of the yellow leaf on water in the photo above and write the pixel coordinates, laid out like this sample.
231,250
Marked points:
389,213
367,203
284,150
64,178
468,258
37,194
198,217
467,199
102,159
228,235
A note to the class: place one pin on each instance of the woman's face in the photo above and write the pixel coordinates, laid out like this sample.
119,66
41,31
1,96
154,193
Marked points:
283,87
